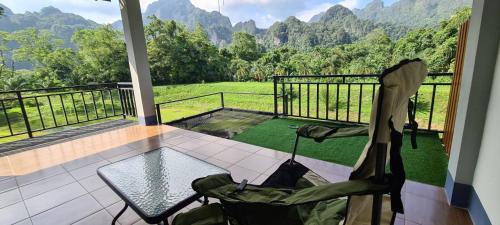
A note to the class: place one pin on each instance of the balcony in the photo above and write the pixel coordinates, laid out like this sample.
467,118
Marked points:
57,184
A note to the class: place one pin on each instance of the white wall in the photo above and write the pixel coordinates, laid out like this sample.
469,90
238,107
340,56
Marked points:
487,178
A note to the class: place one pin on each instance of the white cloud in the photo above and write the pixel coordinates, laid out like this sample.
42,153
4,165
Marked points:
350,4
306,15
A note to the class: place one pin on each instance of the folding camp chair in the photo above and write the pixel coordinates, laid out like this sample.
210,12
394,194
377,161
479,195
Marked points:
294,195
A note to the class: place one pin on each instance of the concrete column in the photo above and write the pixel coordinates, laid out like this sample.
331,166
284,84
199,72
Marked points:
478,73
138,61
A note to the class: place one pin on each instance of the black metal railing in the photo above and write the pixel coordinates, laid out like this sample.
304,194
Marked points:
348,98
24,112
210,106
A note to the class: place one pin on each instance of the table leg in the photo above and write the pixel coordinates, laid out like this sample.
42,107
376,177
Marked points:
119,214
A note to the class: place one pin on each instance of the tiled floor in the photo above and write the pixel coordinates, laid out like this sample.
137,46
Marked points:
44,187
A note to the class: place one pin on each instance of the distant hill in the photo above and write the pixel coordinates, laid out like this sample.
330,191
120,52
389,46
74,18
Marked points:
338,25
217,26
412,13
62,25
249,27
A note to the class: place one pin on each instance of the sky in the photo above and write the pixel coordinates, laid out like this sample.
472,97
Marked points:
264,12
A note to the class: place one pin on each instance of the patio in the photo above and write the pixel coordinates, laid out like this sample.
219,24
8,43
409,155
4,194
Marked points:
58,184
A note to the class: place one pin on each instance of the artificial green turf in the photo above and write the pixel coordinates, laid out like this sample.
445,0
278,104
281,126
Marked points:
427,164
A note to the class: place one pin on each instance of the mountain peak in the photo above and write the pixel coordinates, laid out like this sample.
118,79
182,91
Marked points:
336,12
6,10
49,10
375,5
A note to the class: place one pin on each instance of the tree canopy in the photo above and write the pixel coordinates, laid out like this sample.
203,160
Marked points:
178,55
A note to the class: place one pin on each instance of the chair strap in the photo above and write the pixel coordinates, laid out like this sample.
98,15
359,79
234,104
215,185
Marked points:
398,175
413,123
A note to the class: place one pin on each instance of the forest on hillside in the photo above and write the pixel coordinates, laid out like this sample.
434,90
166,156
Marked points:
179,55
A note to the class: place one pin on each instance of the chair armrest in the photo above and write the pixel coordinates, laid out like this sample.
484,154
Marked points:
320,133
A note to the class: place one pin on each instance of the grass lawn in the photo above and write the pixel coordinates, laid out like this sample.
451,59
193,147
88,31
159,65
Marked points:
427,164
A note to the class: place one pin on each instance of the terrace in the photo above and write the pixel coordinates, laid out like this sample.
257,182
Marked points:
51,178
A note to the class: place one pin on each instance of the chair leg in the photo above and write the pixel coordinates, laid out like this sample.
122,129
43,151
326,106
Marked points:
294,149
377,209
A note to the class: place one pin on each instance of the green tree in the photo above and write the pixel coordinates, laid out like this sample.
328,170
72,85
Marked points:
244,46
102,55
37,47
179,56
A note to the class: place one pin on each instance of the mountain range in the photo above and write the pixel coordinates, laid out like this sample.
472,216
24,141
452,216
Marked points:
412,13
337,25
61,24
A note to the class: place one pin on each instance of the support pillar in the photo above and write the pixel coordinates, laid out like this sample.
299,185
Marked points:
478,72
138,61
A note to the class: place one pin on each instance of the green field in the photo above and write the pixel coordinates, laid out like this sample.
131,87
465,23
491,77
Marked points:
182,109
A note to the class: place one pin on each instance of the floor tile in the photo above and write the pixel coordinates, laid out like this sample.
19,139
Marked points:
147,144
193,134
210,149
239,173
179,140
24,222
69,212
88,170
424,211
426,190
78,163
209,138
13,213
247,147
273,168
273,154
54,198
232,155
45,185
227,142
260,179
92,183
331,177
196,155
99,218
8,184
124,156
190,145
129,217
257,163
218,162
105,196
10,197
39,175
115,151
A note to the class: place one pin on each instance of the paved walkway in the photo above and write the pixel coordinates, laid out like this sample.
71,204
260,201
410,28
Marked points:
58,184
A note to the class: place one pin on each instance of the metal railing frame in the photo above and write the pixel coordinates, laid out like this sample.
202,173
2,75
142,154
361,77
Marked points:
300,82
62,96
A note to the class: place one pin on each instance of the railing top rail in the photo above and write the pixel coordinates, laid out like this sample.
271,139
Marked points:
59,88
185,99
246,93
443,74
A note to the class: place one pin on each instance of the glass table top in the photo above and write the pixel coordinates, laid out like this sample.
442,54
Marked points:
155,181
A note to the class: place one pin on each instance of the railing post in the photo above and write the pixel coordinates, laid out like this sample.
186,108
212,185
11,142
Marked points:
222,99
158,112
275,84
25,115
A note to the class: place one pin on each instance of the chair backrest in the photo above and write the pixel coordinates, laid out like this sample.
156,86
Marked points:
388,117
